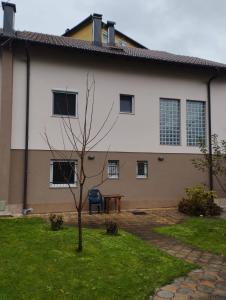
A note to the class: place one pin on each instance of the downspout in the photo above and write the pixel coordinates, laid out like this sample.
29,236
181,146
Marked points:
25,208
210,130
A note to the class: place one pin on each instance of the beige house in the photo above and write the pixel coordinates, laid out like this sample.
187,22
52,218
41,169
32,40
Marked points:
164,104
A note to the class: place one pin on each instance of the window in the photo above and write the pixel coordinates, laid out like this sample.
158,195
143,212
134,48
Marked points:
126,104
104,37
62,173
64,104
196,122
113,169
122,43
142,169
169,122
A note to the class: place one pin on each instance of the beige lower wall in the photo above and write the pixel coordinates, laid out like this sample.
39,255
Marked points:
5,121
164,187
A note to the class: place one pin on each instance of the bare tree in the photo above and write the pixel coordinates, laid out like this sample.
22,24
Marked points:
82,141
216,161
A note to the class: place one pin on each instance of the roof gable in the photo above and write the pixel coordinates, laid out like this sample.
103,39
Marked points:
87,21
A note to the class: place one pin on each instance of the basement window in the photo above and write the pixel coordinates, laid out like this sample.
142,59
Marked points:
126,104
142,169
113,169
64,104
63,173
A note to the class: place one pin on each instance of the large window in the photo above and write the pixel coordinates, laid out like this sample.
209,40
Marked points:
169,122
62,173
196,122
142,169
113,169
64,104
126,104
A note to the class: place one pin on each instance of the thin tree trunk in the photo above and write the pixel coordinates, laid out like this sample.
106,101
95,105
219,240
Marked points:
80,245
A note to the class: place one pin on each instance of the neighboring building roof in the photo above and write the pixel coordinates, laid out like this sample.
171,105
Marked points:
129,52
89,20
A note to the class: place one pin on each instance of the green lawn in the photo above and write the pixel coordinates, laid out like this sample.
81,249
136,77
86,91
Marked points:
36,263
204,233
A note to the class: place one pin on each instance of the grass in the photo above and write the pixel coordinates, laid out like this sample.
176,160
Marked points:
204,233
36,263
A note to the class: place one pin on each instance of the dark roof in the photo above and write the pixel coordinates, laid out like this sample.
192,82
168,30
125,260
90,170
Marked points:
129,52
88,20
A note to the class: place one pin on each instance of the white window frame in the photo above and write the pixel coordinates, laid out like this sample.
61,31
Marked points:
76,103
133,104
62,185
114,176
145,176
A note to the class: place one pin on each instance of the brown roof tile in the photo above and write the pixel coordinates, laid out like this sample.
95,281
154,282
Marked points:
153,55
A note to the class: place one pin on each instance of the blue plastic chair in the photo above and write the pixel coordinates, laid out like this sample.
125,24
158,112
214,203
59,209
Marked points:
95,198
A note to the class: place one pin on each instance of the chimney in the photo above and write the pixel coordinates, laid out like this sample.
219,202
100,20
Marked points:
111,33
8,19
97,28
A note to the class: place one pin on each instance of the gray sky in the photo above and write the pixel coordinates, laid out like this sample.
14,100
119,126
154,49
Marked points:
190,27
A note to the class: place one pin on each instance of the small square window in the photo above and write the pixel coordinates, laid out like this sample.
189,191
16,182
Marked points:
62,173
126,104
122,43
142,169
113,169
64,104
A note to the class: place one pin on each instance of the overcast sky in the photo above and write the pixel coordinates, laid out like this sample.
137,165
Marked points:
190,27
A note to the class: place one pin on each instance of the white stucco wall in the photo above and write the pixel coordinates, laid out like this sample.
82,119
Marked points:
218,108
132,133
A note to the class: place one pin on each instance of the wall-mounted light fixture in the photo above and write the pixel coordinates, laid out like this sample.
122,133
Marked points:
91,157
160,158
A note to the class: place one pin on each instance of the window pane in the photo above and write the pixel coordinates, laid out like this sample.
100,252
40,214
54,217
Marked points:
113,169
169,122
105,37
126,103
196,122
142,169
63,172
64,104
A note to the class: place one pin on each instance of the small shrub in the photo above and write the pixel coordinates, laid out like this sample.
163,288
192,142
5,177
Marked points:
56,221
199,202
111,227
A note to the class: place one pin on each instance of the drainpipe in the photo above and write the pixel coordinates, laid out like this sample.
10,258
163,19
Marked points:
210,130
25,208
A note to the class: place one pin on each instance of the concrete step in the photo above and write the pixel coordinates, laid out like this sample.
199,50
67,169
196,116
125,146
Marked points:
5,213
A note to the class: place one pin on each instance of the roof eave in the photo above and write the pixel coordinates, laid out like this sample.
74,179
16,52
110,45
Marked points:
126,57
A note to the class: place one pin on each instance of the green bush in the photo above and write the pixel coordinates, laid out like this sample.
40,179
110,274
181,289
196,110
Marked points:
56,221
199,202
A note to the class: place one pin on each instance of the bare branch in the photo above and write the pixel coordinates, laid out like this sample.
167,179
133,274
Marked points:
112,126
102,126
